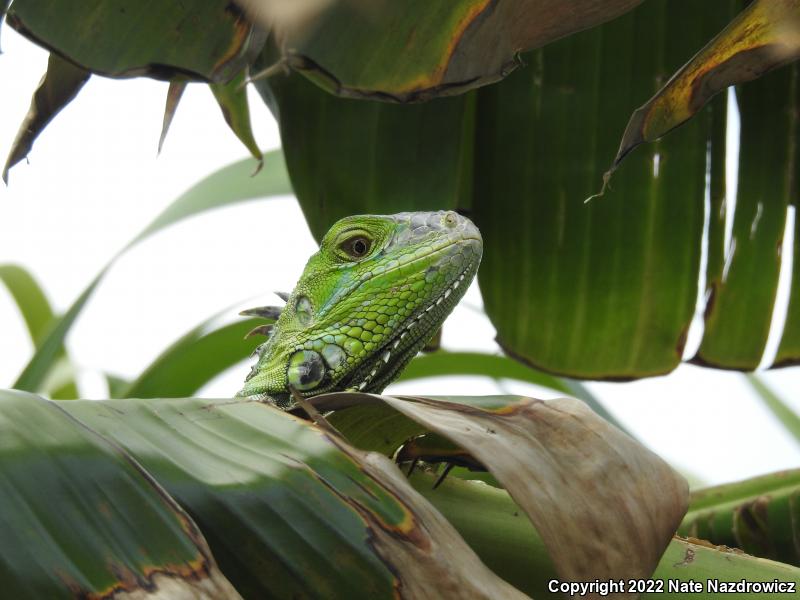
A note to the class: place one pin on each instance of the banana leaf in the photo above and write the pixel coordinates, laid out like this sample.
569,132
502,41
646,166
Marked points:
604,290
758,515
289,507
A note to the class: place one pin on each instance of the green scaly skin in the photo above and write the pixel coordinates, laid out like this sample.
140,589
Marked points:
367,302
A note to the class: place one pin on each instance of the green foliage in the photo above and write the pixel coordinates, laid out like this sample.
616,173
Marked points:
288,507
224,188
758,515
598,290
619,274
85,499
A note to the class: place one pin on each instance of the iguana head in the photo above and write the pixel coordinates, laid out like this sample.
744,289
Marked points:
376,291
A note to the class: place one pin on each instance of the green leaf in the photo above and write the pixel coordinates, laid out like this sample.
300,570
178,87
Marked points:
29,298
60,84
348,157
200,39
498,367
417,50
291,510
230,185
232,100
748,283
604,290
193,361
788,418
38,316
789,349
116,385
764,36
35,372
81,518
696,561
477,363
758,515
514,550
223,188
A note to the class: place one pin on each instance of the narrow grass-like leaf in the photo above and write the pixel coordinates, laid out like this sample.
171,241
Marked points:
229,185
780,410
29,298
193,361
35,372
477,363
81,519
60,84
38,316
441,364
223,188
116,385
758,515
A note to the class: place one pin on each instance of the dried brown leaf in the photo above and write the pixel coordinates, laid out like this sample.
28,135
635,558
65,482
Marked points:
60,84
605,506
763,37
174,94
426,553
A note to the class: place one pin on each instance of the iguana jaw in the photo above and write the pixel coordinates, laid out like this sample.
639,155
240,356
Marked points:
355,323
412,334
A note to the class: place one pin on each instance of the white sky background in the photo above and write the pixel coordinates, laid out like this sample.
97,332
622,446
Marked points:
94,181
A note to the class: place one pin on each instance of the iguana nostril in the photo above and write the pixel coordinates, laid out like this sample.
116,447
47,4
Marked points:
306,370
450,219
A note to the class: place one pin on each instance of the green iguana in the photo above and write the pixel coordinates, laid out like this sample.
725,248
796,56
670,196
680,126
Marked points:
367,302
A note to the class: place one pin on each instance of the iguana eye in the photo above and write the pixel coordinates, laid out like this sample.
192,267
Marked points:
357,246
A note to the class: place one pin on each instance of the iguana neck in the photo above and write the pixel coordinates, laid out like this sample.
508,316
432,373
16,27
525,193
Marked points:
376,291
